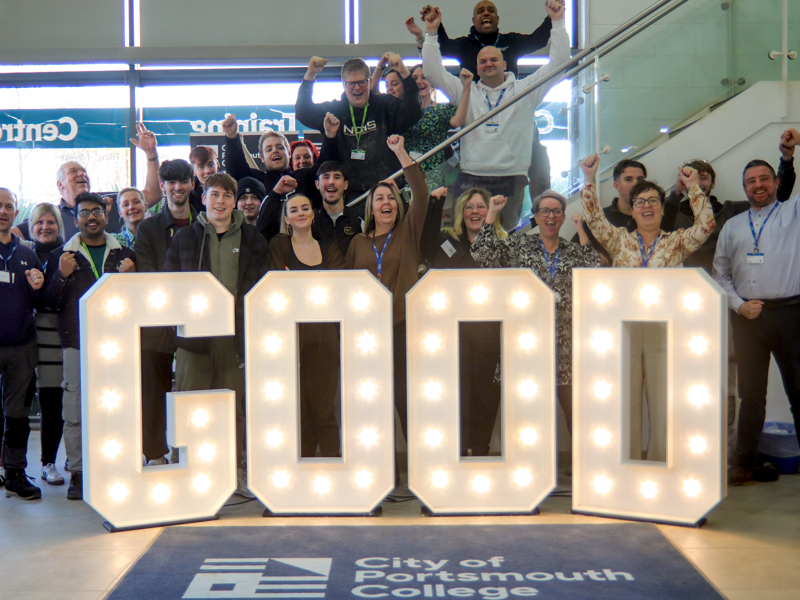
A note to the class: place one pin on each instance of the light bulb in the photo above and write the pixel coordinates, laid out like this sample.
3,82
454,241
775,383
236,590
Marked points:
318,295
438,301
528,436
602,484
698,444
432,342
601,294
602,389
433,437
368,437
527,341
440,479
602,437
157,299
118,492
161,493
523,477
698,395
322,485
274,438
648,489
479,294
111,449
110,399
649,294
527,389
277,302
202,483
367,343
280,479
691,301
481,484
433,390
206,452
198,304
109,350
200,418
361,301
601,341
691,487
367,390
272,344
115,306
520,300
363,479
273,390
698,344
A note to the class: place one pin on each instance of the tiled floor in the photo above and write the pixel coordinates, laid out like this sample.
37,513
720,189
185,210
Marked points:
56,549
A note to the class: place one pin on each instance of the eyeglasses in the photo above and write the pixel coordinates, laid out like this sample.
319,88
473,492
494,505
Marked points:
353,84
97,212
546,212
640,202
475,207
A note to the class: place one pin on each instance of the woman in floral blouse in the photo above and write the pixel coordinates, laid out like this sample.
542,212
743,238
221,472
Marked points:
552,258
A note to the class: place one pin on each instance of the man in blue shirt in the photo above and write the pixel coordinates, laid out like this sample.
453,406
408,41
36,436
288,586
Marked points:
20,282
757,263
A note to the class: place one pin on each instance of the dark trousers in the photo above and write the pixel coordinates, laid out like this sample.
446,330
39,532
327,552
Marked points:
156,384
564,395
400,375
52,422
775,331
319,387
479,347
17,365
513,187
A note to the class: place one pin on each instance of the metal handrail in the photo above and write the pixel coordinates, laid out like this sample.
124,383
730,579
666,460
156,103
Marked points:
569,69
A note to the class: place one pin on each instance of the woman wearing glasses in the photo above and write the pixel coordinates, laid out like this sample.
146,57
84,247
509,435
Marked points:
552,258
648,247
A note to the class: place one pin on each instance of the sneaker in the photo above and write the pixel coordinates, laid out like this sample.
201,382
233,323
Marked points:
157,462
2,476
17,484
75,490
51,475
241,485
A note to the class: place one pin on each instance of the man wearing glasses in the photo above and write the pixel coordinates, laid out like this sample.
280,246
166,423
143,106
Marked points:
71,271
367,120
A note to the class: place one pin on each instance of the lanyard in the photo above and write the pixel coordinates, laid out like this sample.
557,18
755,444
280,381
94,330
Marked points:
358,130
756,238
379,257
91,261
127,234
8,260
551,268
499,100
646,261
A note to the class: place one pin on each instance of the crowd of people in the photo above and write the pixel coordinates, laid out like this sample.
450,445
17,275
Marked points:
294,215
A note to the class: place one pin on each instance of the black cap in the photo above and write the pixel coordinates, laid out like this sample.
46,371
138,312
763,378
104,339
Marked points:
250,185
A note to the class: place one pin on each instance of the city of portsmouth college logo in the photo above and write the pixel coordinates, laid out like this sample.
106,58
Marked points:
261,578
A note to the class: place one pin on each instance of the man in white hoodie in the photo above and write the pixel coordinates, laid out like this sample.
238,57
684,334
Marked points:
497,154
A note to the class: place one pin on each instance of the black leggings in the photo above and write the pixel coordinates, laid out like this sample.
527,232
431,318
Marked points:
52,422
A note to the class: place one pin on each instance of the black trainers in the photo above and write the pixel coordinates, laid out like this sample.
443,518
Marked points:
75,490
18,484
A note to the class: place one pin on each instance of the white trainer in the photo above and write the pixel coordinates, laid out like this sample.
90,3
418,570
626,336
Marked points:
51,475
157,461
241,485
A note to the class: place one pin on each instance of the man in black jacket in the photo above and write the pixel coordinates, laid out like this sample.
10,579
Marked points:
158,343
71,271
221,242
336,223
368,119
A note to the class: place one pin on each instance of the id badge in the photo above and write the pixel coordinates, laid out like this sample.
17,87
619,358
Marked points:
358,155
755,259
5,277
448,248
492,128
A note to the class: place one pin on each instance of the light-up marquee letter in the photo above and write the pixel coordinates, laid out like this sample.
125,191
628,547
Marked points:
200,423
525,473
694,308
364,475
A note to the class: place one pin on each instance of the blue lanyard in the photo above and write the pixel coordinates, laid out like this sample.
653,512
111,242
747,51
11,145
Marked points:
379,257
499,100
646,261
8,260
551,268
127,235
756,238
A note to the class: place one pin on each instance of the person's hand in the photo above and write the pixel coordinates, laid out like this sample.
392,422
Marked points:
67,264
383,60
589,167
127,266
433,18
555,9
285,185
577,220
689,177
35,278
231,126
496,204
331,125
439,193
392,184
315,66
413,28
146,142
395,62
679,187
751,309
465,77
109,202
789,139
396,143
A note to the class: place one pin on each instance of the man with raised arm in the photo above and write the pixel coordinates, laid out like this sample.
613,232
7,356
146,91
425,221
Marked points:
367,119
497,155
